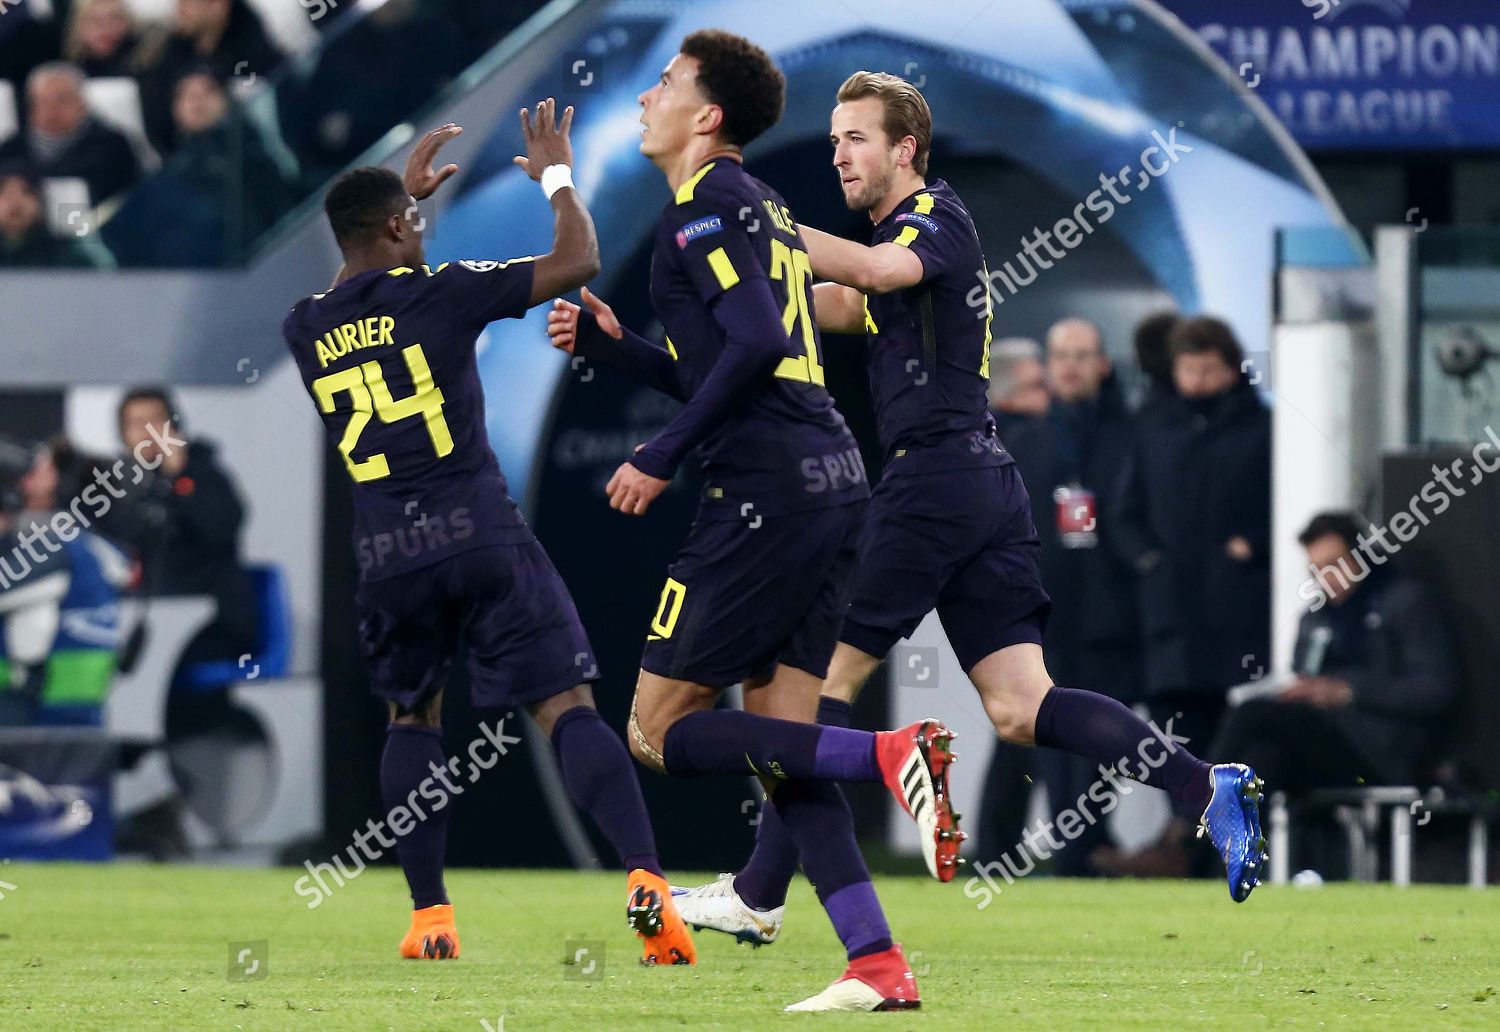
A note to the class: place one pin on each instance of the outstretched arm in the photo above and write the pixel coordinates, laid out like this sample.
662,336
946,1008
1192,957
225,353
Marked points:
755,343
597,336
874,270
574,258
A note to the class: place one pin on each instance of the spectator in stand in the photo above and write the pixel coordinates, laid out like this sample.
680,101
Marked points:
85,635
1195,520
29,36
226,36
1375,679
1018,380
183,520
62,139
102,39
340,110
1154,358
1071,459
25,241
217,194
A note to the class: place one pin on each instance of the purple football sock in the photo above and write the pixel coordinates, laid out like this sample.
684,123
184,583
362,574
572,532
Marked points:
601,779
1109,733
734,742
409,749
763,881
818,820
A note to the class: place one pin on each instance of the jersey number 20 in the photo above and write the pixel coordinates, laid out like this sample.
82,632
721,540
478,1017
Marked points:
793,268
370,395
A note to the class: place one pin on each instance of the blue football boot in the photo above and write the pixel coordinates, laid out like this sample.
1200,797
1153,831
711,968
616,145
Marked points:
1232,822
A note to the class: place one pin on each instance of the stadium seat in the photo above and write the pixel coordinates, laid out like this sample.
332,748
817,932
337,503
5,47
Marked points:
1357,811
9,118
69,209
116,100
273,648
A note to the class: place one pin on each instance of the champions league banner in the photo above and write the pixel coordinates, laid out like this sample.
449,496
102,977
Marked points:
1364,74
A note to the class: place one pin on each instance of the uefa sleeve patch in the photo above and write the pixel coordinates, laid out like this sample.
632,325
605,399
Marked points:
703,227
921,220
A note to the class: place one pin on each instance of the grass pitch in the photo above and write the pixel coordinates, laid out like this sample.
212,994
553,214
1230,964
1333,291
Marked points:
138,947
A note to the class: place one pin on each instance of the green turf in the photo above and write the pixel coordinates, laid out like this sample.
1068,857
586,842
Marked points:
137,947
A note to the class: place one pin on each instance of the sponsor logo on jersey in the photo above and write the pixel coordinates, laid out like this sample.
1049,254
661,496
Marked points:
921,220
702,227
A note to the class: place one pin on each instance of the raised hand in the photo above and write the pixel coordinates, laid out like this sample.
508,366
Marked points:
546,142
420,179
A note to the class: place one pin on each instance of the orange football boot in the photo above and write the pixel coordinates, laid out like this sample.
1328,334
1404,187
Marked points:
433,934
652,912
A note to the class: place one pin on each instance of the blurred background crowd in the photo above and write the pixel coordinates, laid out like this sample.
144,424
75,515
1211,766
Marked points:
183,129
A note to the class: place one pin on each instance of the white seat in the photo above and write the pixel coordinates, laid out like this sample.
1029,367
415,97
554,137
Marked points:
9,122
116,101
69,213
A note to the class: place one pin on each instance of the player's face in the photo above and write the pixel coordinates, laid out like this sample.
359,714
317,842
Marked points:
671,110
864,156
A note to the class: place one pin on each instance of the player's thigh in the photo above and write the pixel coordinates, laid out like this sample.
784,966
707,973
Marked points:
1012,682
995,598
737,595
913,538
525,641
820,584
407,633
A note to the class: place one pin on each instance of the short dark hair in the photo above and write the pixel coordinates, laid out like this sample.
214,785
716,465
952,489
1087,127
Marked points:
1202,334
361,200
741,79
148,392
1342,524
905,110
1149,342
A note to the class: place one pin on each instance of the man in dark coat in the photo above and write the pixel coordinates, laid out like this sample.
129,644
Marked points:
1195,520
184,520
62,139
224,35
1375,678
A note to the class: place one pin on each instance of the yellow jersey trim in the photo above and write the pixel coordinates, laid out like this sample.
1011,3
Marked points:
685,191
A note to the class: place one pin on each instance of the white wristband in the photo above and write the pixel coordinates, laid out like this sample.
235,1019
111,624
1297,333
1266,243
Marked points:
554,178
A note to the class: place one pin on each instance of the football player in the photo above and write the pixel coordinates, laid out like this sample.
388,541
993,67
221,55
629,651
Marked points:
758,590
950,525
387,355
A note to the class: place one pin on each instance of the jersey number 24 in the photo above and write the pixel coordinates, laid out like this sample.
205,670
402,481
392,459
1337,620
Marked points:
367,389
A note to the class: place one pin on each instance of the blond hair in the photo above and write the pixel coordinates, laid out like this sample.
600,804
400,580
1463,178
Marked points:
906,111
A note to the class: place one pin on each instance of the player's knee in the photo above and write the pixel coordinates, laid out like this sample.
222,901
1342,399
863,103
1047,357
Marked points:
646,744
1012,710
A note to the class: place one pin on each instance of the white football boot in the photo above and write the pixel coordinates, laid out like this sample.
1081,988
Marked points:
718,907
